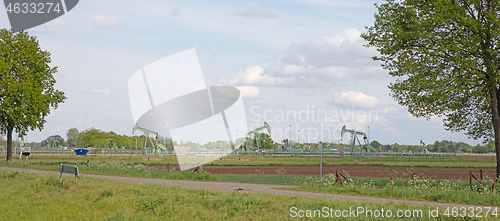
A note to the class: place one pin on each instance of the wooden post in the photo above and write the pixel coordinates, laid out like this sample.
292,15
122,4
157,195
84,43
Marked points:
481,174
392,182
168,167
493,188
412,179
470,180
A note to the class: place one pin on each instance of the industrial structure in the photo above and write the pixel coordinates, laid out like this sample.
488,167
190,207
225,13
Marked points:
147,138
366,148
256,137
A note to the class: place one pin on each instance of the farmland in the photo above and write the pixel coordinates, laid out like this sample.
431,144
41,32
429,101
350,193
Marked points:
98,199
446,181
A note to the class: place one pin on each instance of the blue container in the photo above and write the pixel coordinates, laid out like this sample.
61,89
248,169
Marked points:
81,151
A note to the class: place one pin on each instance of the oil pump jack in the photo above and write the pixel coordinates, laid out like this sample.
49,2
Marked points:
256,135
422,145
364,148
148,138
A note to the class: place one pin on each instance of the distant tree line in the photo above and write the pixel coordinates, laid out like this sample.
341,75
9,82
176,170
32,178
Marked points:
97,138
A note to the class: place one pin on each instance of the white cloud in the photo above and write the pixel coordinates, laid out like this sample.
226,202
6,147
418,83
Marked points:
101,91
350,35
175,12
100,22
333,60
253,10
386,110
79,120
254,76
389,129
58,23
249,91
356,99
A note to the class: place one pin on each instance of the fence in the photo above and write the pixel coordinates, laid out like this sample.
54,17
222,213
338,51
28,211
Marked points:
295,153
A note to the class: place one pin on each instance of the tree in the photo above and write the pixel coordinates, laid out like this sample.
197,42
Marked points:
445,56
26,85
265,141
72,137
375,144
58,138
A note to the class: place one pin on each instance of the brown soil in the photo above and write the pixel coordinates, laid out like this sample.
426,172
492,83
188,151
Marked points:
355,171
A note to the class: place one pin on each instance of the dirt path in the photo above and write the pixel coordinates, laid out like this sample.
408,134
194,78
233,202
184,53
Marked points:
355,171
249,188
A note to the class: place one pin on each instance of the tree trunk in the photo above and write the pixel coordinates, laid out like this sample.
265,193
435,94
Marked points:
494,92
9,143
497,151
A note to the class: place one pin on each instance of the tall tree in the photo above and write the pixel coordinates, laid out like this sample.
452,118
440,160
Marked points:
26,85
445,55
72,137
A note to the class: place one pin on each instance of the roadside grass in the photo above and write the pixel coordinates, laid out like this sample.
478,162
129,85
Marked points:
432,190
118,168
28,196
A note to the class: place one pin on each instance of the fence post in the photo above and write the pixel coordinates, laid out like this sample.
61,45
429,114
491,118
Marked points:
76,172
470,179
60,171
481,174
412,179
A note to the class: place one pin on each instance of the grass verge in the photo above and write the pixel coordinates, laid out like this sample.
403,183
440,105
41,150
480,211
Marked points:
43,197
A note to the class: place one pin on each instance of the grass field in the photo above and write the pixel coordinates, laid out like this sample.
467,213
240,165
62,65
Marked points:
28,196
451,162
434,190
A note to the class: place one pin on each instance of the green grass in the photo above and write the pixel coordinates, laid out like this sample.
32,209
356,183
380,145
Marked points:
452,162
133,166
27,196
431,190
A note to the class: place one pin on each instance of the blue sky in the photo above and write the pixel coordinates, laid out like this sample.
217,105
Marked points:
286,56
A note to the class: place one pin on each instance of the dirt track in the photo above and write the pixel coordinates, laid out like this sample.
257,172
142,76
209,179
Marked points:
355,171
251,188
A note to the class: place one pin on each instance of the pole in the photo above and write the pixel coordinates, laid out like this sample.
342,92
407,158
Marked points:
368,133
320,163
290,139
298,142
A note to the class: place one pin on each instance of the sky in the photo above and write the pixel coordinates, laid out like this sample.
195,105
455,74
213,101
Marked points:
300,65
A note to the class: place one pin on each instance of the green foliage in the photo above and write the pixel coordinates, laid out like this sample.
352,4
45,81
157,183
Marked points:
445,57
375,144
59,141
436,190
152,205
97,138
27,85
72,137
265,141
